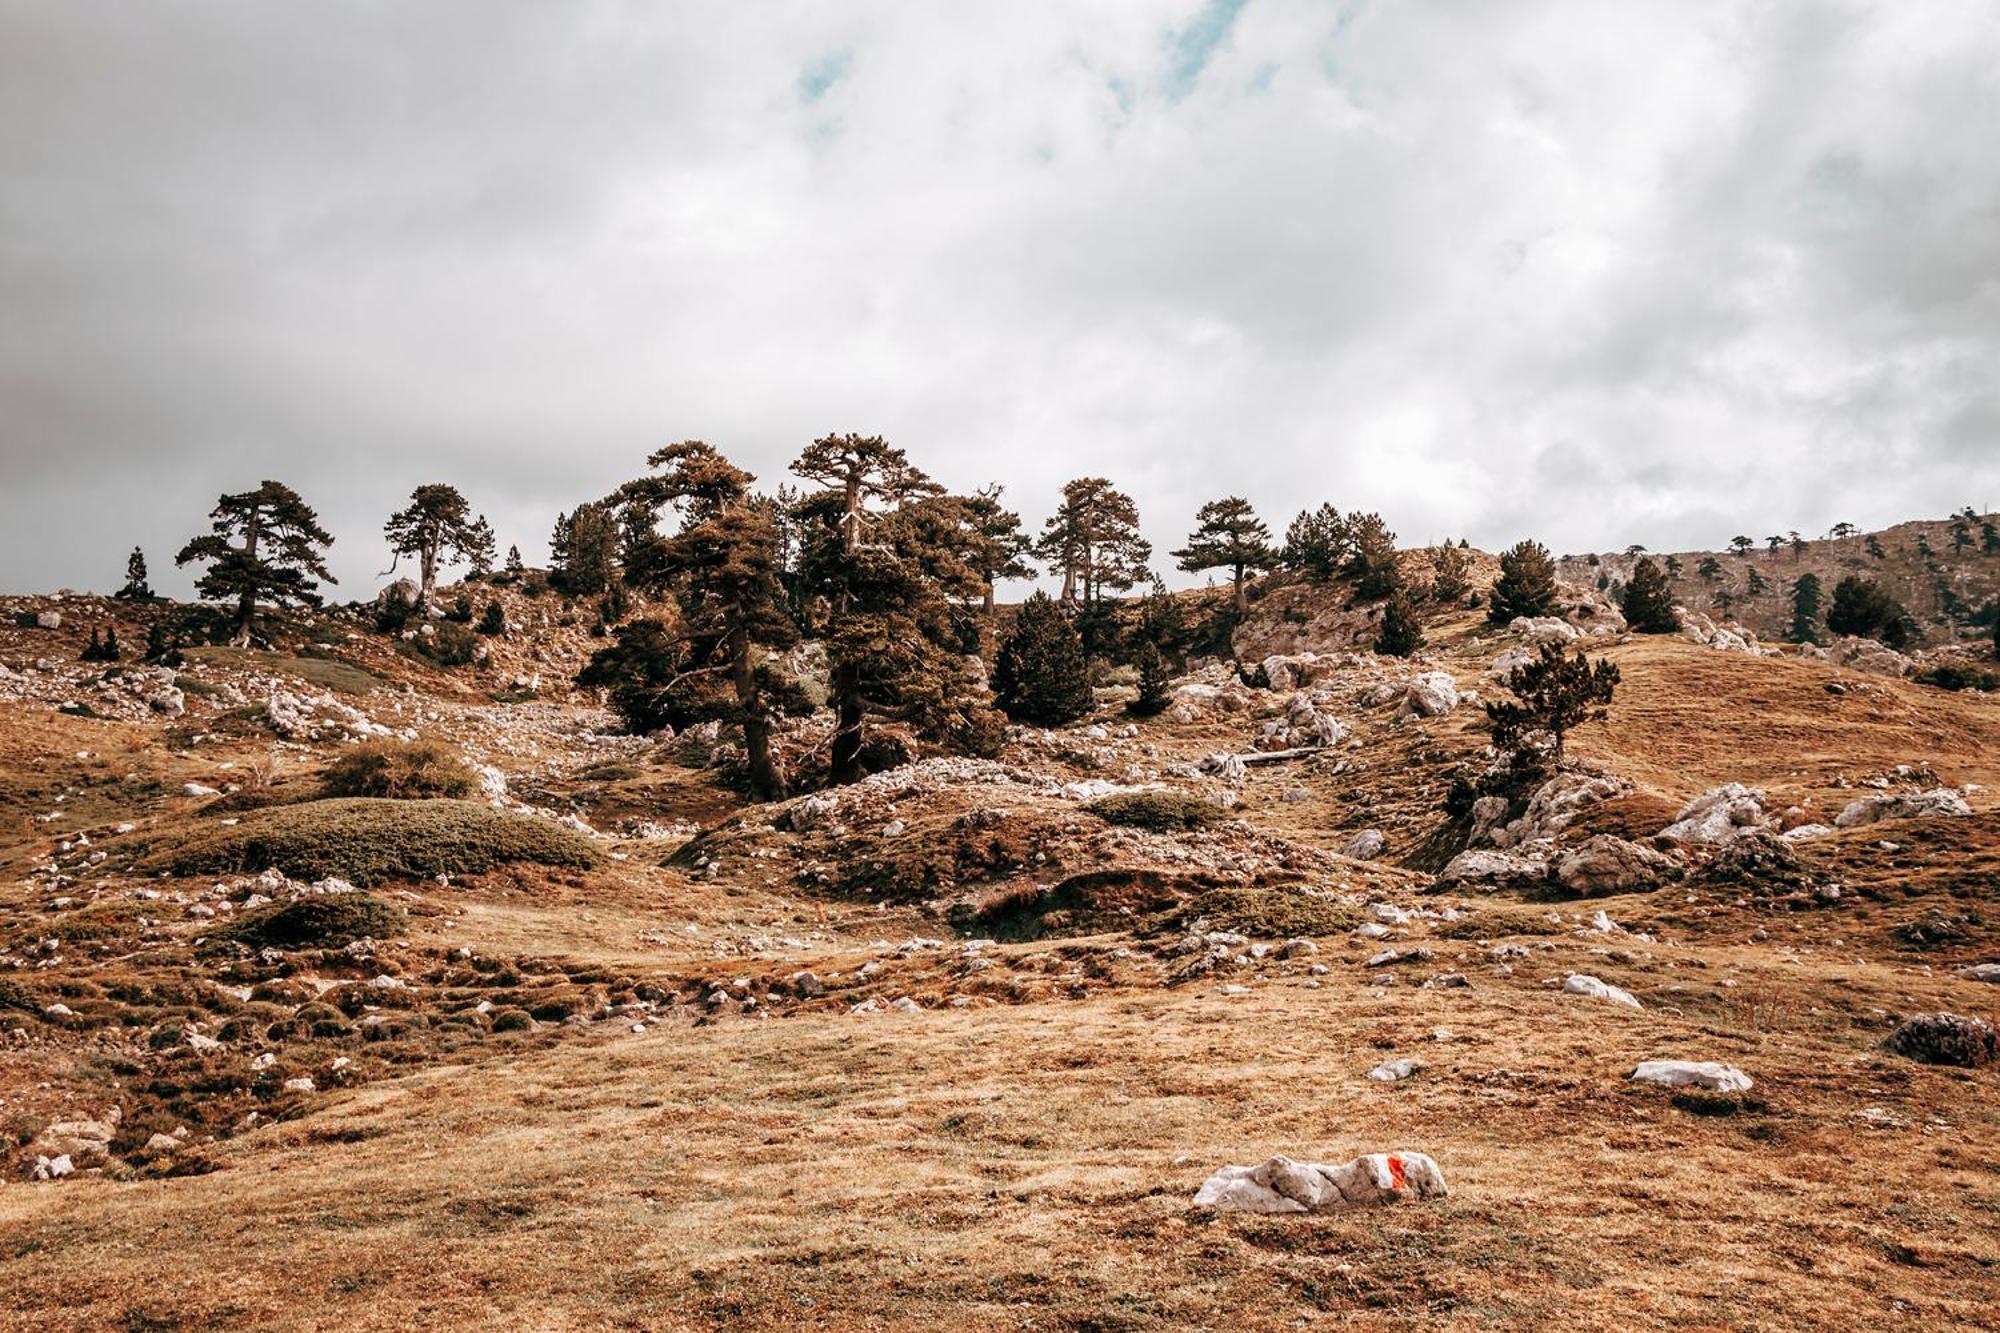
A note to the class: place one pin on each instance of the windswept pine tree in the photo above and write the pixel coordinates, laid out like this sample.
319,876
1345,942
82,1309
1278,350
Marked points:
438,527
1648,602
1093,538
719,660
882,554
1000,546
1041,675
265,545
1228,535
1553,694
1526,586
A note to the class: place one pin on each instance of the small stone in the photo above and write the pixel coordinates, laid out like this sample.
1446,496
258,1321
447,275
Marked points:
1394,1071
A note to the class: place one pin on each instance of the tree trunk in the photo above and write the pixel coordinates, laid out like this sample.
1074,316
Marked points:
427,573
844,766
989,597
1242,596
246,604
764,776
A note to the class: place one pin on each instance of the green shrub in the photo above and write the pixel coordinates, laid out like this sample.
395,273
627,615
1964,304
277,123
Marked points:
1958,676
401,771
513,1020
366,840
1158,811
318,923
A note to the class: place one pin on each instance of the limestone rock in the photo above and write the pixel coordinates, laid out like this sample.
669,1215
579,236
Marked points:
1432,694
1707,1075
1498,869
1582,983
1365,845
1720,816
1981,972
1940,801
1607,864
1284,1186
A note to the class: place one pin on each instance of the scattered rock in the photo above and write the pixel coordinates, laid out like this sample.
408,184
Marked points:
1606,864
1365,845
1864,810
1946,1039
1582,983
1394,1071
1704,1074
1284,1186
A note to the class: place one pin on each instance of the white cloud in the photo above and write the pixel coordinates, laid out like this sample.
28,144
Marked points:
1647,272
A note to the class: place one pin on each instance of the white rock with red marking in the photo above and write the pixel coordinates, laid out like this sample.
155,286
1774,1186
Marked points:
1284,1186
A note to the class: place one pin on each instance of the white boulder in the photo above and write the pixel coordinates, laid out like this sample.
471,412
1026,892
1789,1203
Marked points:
1705,1074
1284,1186
1939,801
1582,983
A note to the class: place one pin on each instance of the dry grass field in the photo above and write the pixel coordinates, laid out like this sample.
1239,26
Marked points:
678,1134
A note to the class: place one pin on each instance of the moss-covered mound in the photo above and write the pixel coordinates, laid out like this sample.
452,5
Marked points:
319,923
367,841
1157,811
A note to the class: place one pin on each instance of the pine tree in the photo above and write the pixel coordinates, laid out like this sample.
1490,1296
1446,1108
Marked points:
1553,694
161,648
1961,534
1874,548
493,621
583,550
1041,675
1093,538
1806,594
1450,574
94,650
722,566
1526,586
1673,566
1710,569
1401,633
1649,602
1155,681
514,565
1316,543
1798,546
265,543
1371,561
113,650
1989,537
1741,545
1228,535
438,527
1756,584
1163,624
1000,546
1863,608
882,553
136,588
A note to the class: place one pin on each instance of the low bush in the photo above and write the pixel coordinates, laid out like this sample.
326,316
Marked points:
1157,811
318,923
367,840
1280,911
1958,676
513,1020
401,771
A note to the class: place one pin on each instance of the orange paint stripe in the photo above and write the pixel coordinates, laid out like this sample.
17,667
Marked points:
1395,1172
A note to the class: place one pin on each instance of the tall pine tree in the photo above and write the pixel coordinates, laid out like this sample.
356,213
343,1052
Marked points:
265,545
438,527
1526,586
1228,535
1648,602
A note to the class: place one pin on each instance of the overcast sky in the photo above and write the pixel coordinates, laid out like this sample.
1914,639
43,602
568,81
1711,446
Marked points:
1598,273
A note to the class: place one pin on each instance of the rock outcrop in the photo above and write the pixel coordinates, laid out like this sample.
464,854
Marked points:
1284,1186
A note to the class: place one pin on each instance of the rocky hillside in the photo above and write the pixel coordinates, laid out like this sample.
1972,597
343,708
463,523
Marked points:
403,993
1951,589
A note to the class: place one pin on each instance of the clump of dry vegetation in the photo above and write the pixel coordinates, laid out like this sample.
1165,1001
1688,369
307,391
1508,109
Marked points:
402,771
368,840
1156,811
318,923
